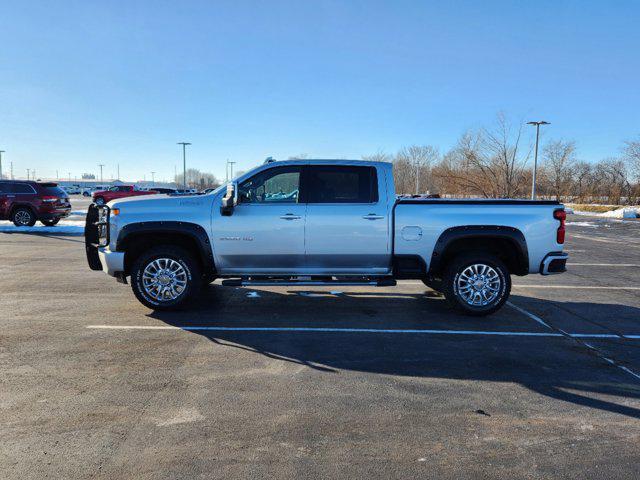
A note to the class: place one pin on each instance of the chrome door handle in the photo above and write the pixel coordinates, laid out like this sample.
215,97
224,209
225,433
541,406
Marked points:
290,216
373,216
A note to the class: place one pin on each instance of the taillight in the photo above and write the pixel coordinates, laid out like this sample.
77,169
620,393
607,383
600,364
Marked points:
49,199
562,216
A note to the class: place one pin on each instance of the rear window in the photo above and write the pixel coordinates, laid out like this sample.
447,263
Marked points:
341,184
52,189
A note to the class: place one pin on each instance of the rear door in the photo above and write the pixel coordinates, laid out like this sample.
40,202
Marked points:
347,228
265,233
4,200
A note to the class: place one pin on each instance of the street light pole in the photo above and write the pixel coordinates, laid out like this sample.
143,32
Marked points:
184,163
231,168
28,171
101,165
535,158
153,179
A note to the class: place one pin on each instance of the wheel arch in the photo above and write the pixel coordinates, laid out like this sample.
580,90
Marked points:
135,238
507,243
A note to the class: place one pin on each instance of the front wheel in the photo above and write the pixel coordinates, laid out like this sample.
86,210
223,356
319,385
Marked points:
165,278
477,283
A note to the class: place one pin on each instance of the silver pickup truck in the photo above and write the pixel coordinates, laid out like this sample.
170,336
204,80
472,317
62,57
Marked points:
323,222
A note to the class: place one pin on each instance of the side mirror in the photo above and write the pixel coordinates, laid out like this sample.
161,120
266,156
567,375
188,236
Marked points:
230,200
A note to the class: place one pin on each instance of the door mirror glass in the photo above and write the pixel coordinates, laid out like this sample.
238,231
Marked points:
229,200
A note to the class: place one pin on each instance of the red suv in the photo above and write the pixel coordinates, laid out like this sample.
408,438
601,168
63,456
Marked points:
24,202
105,196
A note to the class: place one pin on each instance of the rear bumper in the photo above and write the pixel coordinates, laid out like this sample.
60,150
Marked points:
52,215
112,262
555,262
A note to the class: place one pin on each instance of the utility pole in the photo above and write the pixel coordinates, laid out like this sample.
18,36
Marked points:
57,177
535,158
184,163
11,163
33,173
100,165
69,174
28,170
118,171
153,179
226,171
1,152
231,170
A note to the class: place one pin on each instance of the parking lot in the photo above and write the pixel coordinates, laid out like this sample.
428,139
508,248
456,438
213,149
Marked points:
311,383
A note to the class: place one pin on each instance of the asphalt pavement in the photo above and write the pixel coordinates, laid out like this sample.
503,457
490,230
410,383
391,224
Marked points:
360,382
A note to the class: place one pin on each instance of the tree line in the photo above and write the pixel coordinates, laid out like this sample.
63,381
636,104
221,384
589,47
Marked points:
496,162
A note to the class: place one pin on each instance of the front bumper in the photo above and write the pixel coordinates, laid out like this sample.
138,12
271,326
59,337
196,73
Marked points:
111,262
555,262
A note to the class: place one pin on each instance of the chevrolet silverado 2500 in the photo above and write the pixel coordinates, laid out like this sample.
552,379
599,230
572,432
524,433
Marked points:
323,222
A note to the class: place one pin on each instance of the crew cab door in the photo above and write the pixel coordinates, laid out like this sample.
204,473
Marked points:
265,233
347,230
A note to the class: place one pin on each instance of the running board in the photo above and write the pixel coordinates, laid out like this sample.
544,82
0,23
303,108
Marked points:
240,282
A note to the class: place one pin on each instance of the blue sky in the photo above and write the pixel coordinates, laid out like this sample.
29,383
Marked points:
111,82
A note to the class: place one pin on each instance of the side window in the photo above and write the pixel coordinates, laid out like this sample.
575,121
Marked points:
123,189
21,188
338,184
275,185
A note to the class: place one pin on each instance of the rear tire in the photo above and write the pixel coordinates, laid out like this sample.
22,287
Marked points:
166,277
99,201
23,217
477,284
50,223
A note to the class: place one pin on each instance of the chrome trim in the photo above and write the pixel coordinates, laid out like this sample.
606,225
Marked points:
544,266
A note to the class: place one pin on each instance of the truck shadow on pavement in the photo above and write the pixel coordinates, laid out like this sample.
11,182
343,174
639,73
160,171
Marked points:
556,367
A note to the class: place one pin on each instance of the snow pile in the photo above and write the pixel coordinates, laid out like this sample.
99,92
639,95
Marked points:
625,212
583,224
65,227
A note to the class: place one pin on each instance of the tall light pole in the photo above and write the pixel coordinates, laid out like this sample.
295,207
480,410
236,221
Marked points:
153,179
118,171
231,168
535,158
28,171
1,152
184,163
101,165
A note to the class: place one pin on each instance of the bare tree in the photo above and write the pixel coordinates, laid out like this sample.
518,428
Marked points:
631,153
413,167
300,156
198,179
559,159
582,181
379,156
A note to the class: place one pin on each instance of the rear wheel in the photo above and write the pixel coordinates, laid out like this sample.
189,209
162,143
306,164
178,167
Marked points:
23,217
477,283
50,223
99,201
165,278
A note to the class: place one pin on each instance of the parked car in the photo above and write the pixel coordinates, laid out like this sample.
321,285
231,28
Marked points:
25,202
320,222
187,191
71,189
101,197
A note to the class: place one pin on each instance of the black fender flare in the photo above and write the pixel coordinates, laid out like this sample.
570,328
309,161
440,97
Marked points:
511,234
192,230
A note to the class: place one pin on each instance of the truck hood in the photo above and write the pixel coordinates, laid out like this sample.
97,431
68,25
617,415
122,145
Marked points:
158,202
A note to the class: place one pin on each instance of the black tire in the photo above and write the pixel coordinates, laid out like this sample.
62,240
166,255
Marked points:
185,260
86,194
99,201
454,284
50,223
23,217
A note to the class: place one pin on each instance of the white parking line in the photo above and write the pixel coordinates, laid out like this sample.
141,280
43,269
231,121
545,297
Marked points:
362,330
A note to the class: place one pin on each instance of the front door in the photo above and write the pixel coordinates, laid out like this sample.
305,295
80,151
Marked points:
347,230
265,233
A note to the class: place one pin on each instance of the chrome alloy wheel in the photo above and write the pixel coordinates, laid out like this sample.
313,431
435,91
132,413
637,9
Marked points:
22,217
478,285
164,279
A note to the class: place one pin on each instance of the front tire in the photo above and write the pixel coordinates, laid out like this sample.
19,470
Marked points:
165,278
50,223
477,284
23,217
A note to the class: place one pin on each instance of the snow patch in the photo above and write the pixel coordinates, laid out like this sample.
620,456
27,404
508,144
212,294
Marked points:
65,227
625,212
584,224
